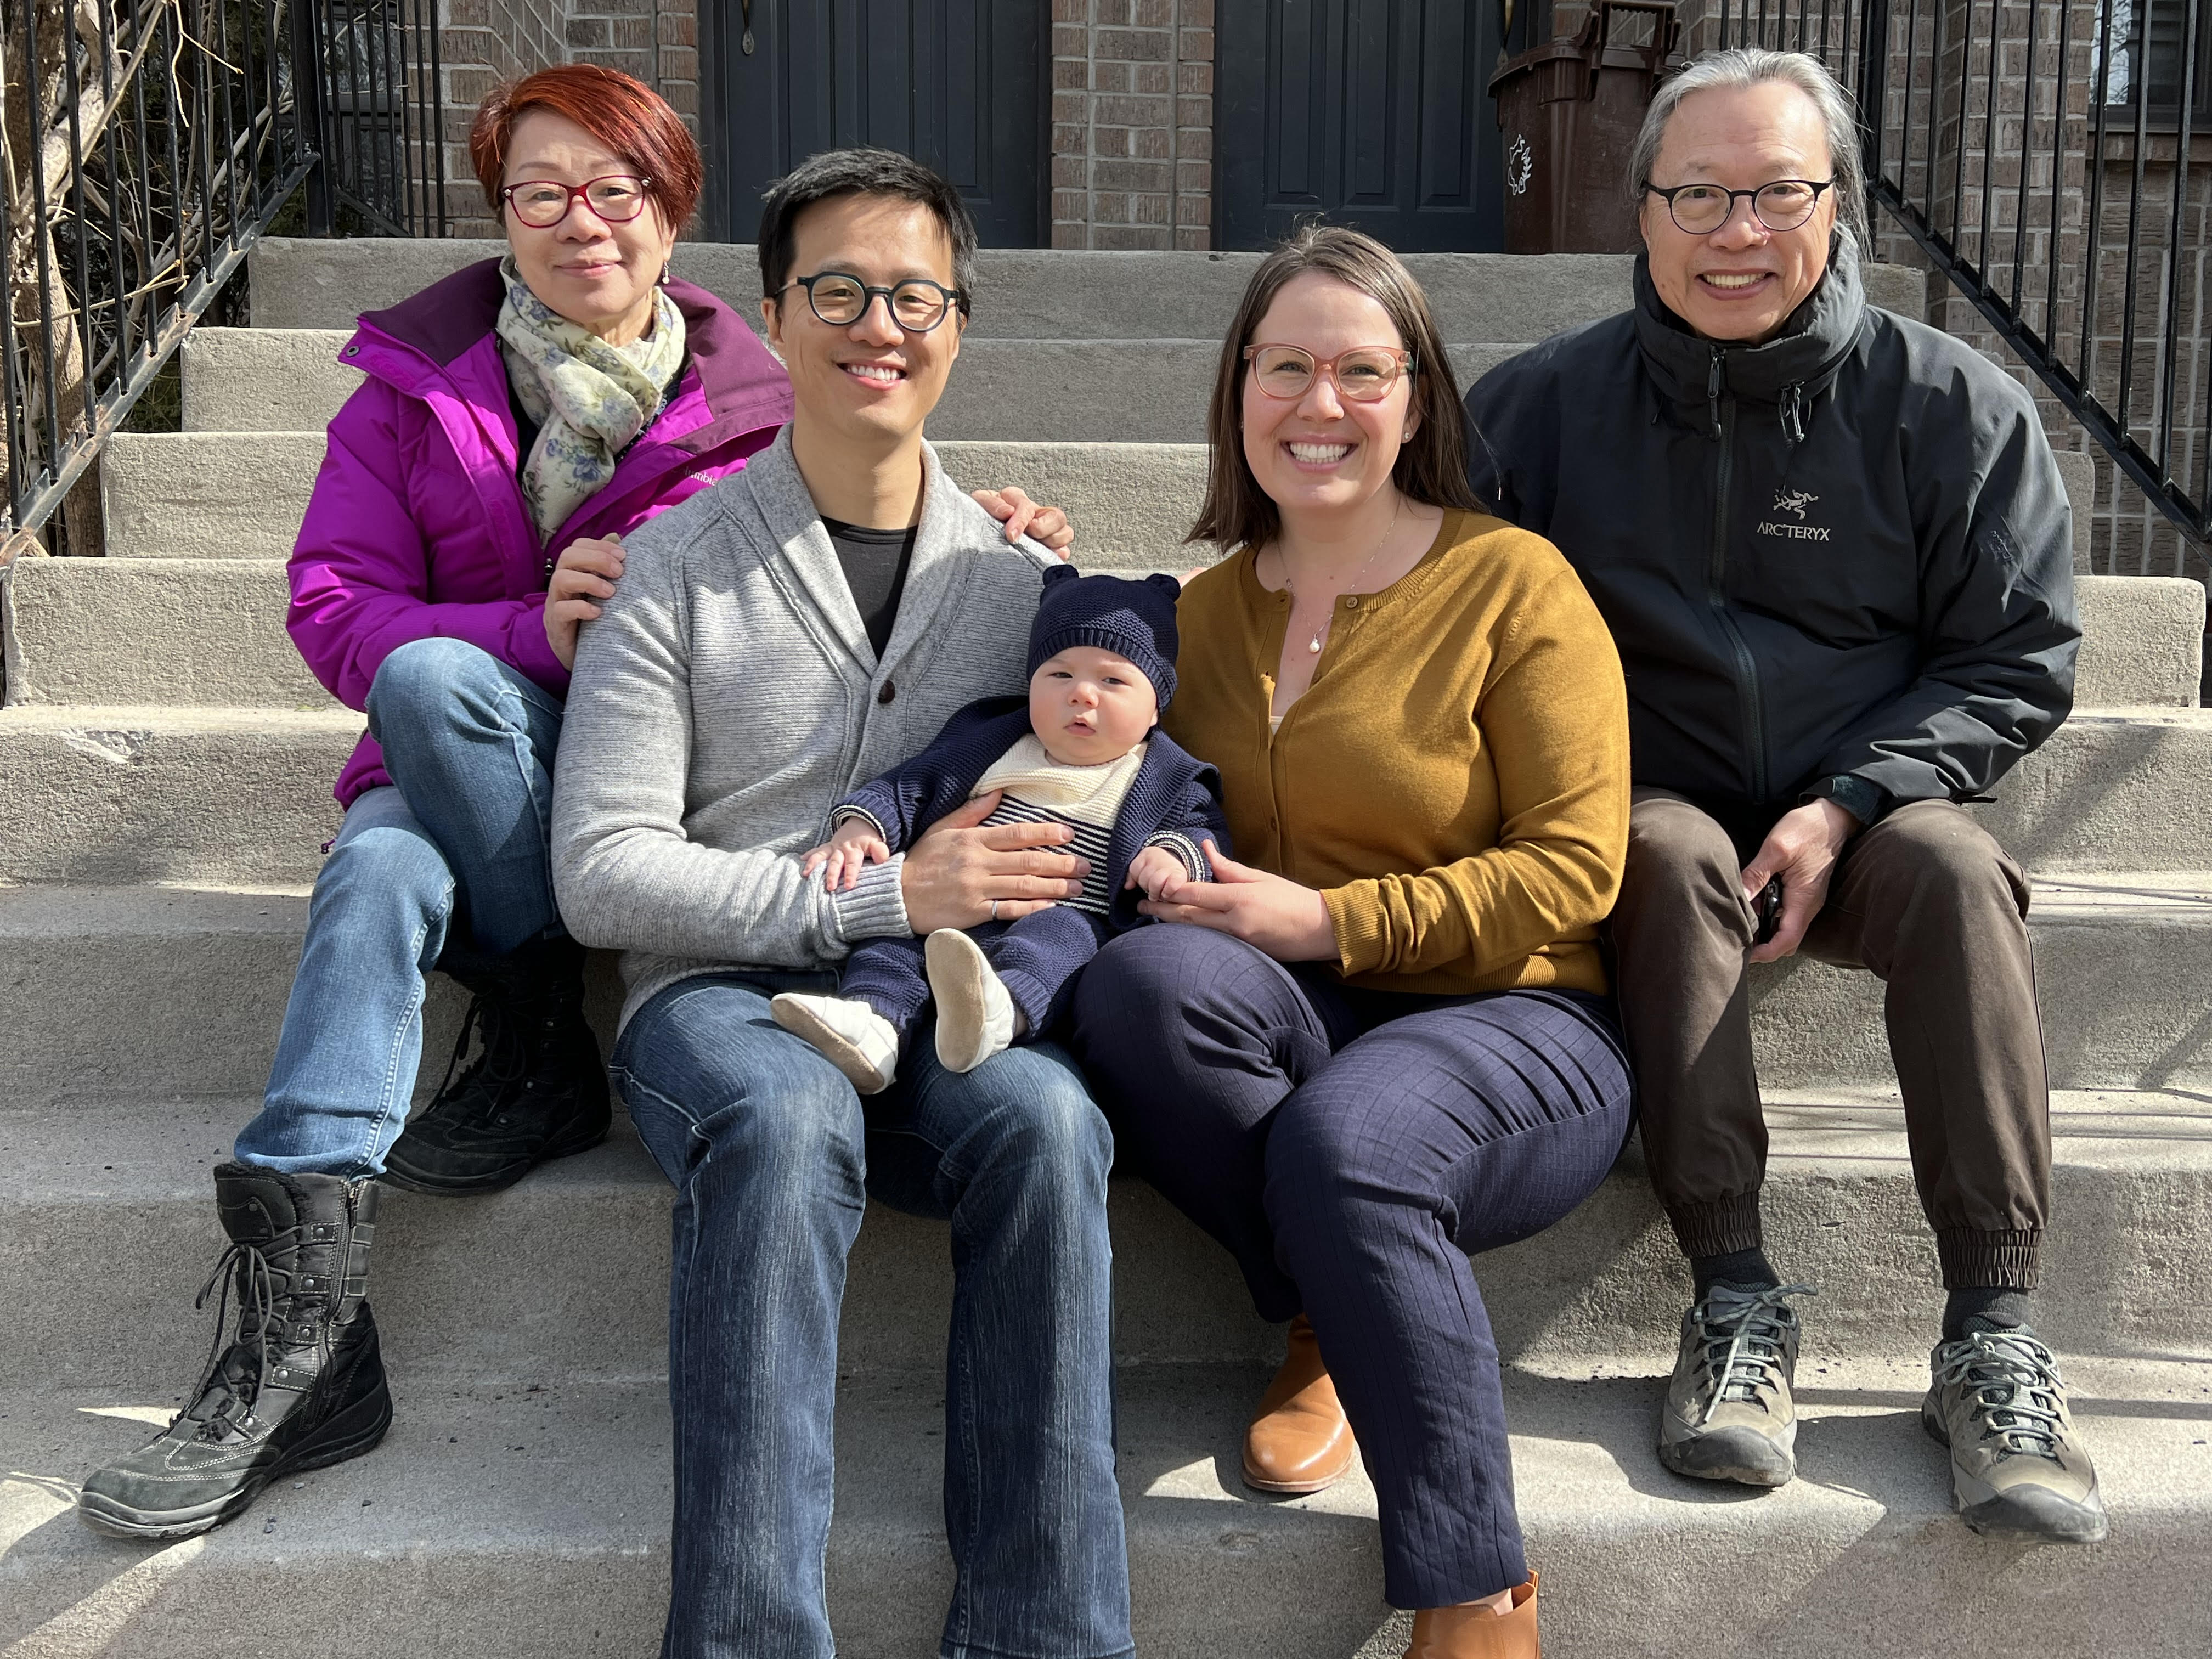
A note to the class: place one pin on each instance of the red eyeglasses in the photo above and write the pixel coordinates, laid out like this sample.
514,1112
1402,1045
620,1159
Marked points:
541,203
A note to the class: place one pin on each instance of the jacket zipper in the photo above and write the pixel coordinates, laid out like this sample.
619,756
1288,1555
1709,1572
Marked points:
1722,409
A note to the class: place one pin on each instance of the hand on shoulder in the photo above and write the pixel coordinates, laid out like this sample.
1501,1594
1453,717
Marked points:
582,582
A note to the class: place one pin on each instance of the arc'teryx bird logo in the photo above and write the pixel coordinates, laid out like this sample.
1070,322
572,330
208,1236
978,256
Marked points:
1795,501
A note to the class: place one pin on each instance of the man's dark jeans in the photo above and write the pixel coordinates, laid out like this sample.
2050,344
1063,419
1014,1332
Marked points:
773,1158
1926,900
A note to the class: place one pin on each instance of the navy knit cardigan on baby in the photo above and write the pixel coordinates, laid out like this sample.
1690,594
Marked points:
1175,796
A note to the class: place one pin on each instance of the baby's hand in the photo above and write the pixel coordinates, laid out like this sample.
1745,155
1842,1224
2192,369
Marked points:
852,844
1158,872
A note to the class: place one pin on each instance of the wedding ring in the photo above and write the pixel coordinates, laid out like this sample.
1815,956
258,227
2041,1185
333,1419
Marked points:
994,909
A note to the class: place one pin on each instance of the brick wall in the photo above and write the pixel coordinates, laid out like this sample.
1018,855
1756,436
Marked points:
484,42
1133,124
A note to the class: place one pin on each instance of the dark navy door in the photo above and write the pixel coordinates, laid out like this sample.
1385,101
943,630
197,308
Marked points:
1374,114
956,83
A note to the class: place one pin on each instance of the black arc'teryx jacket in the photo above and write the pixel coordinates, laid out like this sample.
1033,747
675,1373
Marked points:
1845,553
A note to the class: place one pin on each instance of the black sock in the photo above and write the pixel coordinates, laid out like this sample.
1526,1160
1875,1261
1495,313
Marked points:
1999,1304
1748,1268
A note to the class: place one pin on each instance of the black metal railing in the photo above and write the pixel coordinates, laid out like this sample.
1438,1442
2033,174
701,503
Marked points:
375,112
148,144
2052,159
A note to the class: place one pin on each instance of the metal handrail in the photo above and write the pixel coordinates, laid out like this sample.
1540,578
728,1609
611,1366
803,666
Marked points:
145,145
2015,144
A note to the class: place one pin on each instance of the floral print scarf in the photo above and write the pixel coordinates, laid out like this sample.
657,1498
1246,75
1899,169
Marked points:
589,399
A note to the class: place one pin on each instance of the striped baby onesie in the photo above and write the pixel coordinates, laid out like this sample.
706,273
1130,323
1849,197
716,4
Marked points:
1086,798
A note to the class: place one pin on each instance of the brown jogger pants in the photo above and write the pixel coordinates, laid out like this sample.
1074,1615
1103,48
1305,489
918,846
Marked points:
1926,900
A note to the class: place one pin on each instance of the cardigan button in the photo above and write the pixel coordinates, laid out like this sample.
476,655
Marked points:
890,690
1352,603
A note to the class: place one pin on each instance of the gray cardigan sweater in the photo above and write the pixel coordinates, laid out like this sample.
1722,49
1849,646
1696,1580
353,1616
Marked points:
728,698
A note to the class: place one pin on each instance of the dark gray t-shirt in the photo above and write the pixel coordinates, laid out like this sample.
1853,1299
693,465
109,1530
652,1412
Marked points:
875,563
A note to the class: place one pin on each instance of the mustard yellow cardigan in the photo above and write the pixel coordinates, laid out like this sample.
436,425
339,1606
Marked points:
1454,782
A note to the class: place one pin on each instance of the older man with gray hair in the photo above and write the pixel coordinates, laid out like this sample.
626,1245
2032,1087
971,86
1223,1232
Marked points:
1834,551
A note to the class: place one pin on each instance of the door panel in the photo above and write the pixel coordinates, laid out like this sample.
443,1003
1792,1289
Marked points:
1371,112
954,83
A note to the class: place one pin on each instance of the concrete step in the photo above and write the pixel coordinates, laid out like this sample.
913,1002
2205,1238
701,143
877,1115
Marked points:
149,794
210,630
128,793
1026,293
562,1256
2141,645
170,632
1132,390
242,494
156,992
534,1525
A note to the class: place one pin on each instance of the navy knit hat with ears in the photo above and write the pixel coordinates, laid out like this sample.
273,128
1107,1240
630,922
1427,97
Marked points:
1132,619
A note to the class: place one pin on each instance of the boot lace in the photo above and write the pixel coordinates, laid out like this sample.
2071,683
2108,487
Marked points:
503,1063
1748,1331
232,1380
2014,1380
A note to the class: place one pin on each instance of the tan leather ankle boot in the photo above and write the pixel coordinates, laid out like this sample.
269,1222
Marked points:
1477,1632
1299,1441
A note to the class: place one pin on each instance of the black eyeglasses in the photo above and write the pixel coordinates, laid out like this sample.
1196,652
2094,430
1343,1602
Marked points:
917,304
541,203
1701,209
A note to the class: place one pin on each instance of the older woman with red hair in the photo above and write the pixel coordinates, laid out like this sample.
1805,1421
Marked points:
561,395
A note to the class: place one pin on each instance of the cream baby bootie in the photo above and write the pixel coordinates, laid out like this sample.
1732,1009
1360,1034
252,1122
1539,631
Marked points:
975,1018
853,1036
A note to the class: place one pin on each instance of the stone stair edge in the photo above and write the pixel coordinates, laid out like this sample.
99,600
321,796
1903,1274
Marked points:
296,280
117,986
563,1254
470,1530
117,794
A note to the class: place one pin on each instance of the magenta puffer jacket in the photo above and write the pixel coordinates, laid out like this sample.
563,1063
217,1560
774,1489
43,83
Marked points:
417,528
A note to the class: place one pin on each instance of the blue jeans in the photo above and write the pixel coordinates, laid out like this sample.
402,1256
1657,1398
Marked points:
456,849
773,1158
1353,1148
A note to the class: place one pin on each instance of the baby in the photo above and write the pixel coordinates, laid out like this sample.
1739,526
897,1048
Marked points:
1081,751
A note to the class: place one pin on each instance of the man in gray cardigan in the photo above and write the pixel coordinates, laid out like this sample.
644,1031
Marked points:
774,642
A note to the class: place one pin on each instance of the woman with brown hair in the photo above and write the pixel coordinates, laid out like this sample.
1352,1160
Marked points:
1380,1042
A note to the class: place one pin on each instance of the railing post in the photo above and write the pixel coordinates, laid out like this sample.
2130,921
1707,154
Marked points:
1873,85
310,108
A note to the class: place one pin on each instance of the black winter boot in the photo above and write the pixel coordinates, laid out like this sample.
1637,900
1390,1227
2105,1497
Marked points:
536,1090
302,1383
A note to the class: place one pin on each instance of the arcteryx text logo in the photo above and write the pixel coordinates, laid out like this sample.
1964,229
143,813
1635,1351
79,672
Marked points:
1795,501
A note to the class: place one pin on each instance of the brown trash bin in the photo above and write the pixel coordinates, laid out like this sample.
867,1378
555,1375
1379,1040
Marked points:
1569,112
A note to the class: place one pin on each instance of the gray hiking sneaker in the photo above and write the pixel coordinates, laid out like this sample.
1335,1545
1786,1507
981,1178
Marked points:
1728,1414
2017,1470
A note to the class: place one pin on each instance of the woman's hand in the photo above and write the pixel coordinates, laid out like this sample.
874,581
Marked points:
587,575
1024,517
852,844
959,875
1289,922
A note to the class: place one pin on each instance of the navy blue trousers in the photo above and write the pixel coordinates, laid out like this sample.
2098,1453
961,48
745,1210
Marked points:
1038,956
1352,1149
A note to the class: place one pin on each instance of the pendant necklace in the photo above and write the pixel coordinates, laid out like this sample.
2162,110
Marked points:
1313,644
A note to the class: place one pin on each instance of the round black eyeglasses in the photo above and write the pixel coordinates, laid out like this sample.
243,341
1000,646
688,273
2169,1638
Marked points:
1701,209
839,299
